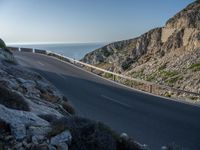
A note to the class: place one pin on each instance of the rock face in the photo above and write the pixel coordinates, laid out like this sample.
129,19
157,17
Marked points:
27,100
169,55
187,18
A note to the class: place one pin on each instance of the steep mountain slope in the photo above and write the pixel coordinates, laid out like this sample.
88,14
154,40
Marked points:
169,55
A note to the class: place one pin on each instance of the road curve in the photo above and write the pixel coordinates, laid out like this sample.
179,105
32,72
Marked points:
152,120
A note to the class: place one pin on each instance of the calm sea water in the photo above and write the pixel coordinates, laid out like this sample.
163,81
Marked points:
76,51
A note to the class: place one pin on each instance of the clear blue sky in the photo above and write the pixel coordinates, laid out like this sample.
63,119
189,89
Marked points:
32,21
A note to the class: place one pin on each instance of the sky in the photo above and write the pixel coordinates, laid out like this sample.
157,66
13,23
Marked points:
82,21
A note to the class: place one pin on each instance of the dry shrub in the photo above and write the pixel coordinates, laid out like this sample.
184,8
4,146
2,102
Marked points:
48,96
12,99
68,107
92,135
87,134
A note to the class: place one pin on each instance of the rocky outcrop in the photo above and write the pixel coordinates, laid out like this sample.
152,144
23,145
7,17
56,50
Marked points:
164,55
189,17
26,100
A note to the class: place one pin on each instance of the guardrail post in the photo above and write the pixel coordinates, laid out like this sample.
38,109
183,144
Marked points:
113,77
150,88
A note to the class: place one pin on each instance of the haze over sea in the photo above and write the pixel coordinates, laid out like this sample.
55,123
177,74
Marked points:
73,50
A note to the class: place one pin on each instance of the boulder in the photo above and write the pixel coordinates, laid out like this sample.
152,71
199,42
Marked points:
64,137
18,131
13,117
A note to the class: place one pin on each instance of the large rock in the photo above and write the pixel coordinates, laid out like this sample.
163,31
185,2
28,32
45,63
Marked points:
64,137
189,17
18,131
19,120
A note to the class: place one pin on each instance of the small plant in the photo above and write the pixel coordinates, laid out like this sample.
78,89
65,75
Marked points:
162,67
167,94
48,96
151,77
108,75
169,74
174,79
194,98
138,74
195,67
107,53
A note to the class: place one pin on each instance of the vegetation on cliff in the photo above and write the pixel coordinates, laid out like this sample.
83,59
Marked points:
167,55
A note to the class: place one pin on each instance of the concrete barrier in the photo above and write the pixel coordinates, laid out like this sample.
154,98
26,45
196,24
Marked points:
40,51
26,50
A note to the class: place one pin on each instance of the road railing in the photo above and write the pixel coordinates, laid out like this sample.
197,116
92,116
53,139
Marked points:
139,84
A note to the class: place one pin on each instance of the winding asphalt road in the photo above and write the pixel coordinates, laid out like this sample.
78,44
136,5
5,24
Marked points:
152,120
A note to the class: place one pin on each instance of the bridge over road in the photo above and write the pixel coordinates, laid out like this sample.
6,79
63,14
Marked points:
150,119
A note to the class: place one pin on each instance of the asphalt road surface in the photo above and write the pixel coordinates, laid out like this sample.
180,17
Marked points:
152,120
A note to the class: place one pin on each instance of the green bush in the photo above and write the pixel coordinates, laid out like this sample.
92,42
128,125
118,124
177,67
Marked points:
108,75
174,79
107,53
195,67
169,74
151,77
2,44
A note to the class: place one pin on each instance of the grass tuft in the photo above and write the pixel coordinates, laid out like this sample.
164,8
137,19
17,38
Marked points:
169,74
195,67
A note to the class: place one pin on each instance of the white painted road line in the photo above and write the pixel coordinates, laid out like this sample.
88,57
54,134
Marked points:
40,63
116,101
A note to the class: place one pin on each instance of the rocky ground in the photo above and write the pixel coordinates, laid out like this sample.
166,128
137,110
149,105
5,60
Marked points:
169,55
26,101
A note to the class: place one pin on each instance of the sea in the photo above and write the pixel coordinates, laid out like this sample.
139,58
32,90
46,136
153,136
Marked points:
73,50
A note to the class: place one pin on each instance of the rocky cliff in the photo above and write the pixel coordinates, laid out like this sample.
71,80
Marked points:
169,54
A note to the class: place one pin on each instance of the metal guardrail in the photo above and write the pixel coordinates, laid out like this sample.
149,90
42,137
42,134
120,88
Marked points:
150,87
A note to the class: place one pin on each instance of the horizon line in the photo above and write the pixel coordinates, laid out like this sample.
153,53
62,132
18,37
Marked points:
36,43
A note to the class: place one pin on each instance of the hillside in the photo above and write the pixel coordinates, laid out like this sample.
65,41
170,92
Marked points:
168,55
